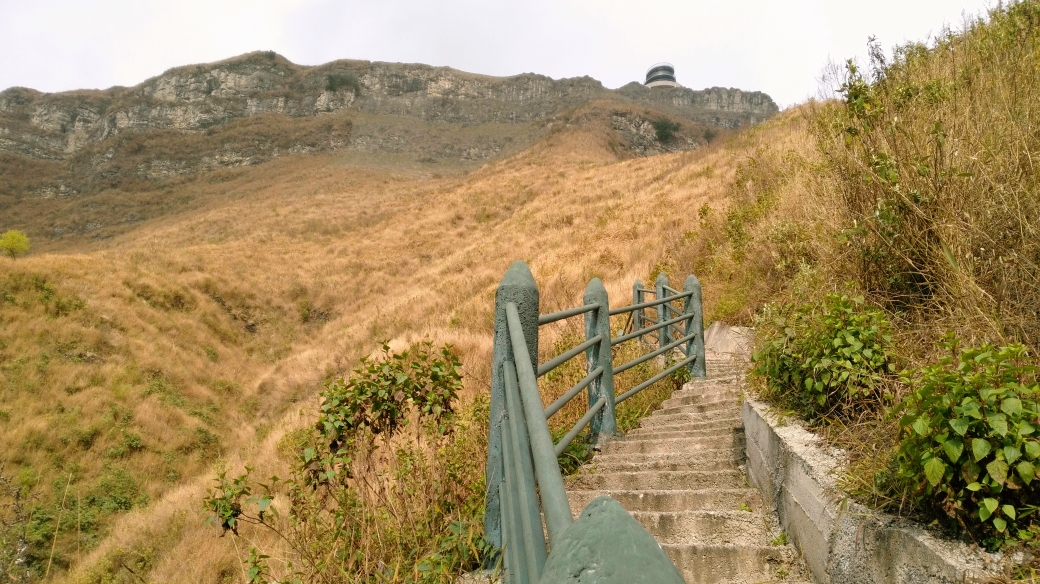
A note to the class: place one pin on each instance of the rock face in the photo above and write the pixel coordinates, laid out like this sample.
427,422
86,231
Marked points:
199,98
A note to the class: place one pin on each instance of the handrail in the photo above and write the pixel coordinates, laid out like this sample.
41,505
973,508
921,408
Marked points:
579,426
546,470
632,307
555,316
524,481
567,356
655,379
621,339
655,353
523,508
569,395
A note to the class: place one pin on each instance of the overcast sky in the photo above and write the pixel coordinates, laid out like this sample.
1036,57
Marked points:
776,46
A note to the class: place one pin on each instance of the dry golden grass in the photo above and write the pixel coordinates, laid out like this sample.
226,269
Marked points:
208,333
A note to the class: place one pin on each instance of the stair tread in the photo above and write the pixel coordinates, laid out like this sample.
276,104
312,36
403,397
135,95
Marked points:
679,474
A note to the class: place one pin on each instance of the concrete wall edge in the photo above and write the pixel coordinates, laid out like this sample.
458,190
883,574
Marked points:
795,472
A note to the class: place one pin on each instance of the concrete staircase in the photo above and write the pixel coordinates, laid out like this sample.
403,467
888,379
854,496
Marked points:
681,475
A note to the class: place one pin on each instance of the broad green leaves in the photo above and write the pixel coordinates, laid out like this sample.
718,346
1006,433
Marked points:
380,394
953,448
934,470
980,448
827,360
974,412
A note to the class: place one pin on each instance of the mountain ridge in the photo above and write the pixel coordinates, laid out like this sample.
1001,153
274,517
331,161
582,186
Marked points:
56,126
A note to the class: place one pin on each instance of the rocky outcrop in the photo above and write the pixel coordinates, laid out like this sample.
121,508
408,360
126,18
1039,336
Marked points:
200,97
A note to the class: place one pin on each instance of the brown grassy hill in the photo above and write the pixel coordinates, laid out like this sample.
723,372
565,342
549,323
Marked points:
88,164
138,365
130,367
120,200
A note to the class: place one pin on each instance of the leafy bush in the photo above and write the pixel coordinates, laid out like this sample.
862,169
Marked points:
665,129
970,444
14,243
380,394
337,81
826,360
363,502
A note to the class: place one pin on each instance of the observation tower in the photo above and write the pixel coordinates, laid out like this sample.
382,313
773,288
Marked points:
661,75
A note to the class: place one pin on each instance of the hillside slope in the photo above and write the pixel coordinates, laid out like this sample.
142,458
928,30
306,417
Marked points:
189,339
64,156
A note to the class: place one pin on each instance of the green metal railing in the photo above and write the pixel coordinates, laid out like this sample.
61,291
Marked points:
524,480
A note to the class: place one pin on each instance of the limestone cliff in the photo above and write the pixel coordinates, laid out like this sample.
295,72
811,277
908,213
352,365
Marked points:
200,97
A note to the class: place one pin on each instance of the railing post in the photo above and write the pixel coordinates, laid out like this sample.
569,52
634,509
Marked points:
637,314
518,287
695,323
597,322
663,334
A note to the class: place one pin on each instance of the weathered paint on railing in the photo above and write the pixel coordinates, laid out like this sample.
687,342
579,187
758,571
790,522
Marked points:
522,460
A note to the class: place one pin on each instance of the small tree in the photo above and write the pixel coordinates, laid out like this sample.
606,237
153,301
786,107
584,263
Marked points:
665,129
14,243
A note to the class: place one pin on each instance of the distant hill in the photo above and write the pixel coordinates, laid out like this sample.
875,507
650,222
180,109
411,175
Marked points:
260,106
199,98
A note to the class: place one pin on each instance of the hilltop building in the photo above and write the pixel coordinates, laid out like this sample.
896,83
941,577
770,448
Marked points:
661,75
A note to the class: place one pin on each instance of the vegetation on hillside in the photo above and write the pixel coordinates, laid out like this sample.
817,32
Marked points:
891,230
201,340
924,200
13,243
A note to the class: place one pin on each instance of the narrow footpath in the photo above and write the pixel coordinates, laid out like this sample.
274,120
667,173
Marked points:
681,474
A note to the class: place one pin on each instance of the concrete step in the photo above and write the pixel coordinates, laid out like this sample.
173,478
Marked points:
703,408
652,425
726,395
689,417
733,564
674,500
679,475
598,463
678,431
651,446
725,460
659,479
707,527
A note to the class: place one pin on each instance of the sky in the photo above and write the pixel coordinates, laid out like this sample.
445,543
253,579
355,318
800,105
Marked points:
780,47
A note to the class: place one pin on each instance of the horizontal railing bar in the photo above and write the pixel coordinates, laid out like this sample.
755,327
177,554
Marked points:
649,329
584,421
646,290
653,354
555,316
654,379
565,398
650,318
561,359
632,307
672,290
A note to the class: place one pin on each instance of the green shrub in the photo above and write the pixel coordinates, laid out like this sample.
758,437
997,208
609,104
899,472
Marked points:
827,360
665,129
364,503
379,395
117,490
969,446
14,243
337,81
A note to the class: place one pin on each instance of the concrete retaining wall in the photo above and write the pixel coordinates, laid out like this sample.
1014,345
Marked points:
842,542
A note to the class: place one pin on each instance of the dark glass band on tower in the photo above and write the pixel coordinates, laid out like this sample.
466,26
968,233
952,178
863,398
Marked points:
661,74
